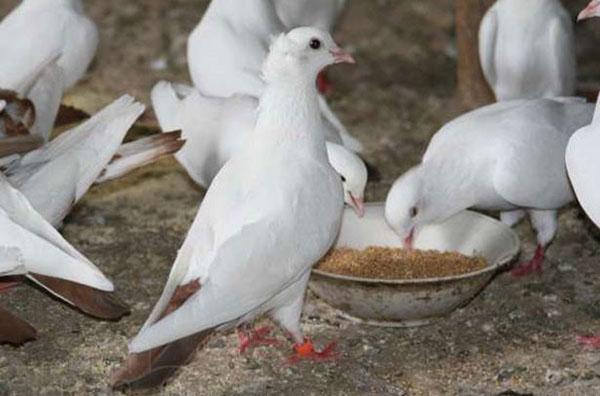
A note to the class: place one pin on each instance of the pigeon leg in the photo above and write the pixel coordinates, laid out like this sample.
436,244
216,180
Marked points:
289,318
306,351
323,84
255,337
589,341
545,224
530,267
512,217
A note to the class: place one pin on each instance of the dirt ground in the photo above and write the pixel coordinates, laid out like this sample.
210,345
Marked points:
517,337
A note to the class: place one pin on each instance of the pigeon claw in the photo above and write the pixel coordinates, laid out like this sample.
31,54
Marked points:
589,341
254,338
307,351
533,266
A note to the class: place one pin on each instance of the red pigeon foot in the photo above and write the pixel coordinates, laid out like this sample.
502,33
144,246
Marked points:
255,337
533,266
307,351
589,341
323,84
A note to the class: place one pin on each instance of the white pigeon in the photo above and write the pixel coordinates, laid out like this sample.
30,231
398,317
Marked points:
322,14
31,246
507,157
272,211
216,128
57,175
583,166
228,47
36,31
527,49
590,11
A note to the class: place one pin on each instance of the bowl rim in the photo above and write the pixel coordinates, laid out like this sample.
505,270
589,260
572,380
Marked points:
502,262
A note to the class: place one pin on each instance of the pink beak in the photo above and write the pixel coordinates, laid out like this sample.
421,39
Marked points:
358,204
342,56
408,241
592,10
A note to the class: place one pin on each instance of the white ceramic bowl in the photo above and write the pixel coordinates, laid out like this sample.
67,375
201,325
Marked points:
404,303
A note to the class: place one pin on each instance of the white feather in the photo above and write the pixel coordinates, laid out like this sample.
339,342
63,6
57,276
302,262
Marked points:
41,249
57,175
527,49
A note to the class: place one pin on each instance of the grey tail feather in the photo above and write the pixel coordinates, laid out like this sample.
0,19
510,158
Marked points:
13,330
97,303
138,153
19,144
155,367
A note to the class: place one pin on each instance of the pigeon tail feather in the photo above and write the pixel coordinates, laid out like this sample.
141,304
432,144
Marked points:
154,367
141,152
166,105
97,303
13,330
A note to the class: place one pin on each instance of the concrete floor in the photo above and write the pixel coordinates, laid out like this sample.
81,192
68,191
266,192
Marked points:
516,336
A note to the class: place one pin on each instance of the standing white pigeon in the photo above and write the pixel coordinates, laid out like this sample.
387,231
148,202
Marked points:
269,215
527,49
228,47
46,258
322,14
507,157
57,175
214,129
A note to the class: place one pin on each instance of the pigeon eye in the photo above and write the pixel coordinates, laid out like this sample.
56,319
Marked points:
343,179
413,212
315,44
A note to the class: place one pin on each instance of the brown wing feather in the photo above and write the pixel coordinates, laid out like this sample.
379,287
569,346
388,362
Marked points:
154,367
94,302
19,144
14,330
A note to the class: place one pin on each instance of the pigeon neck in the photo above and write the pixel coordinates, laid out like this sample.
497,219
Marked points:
289,110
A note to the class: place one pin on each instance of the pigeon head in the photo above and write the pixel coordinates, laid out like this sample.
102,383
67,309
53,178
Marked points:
405,207
353,172
592,10
303,52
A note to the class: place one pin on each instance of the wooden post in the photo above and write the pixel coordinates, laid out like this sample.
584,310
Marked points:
473,90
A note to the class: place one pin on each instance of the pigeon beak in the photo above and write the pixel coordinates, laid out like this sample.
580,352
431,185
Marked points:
358,204
592,10
409,240
341,56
